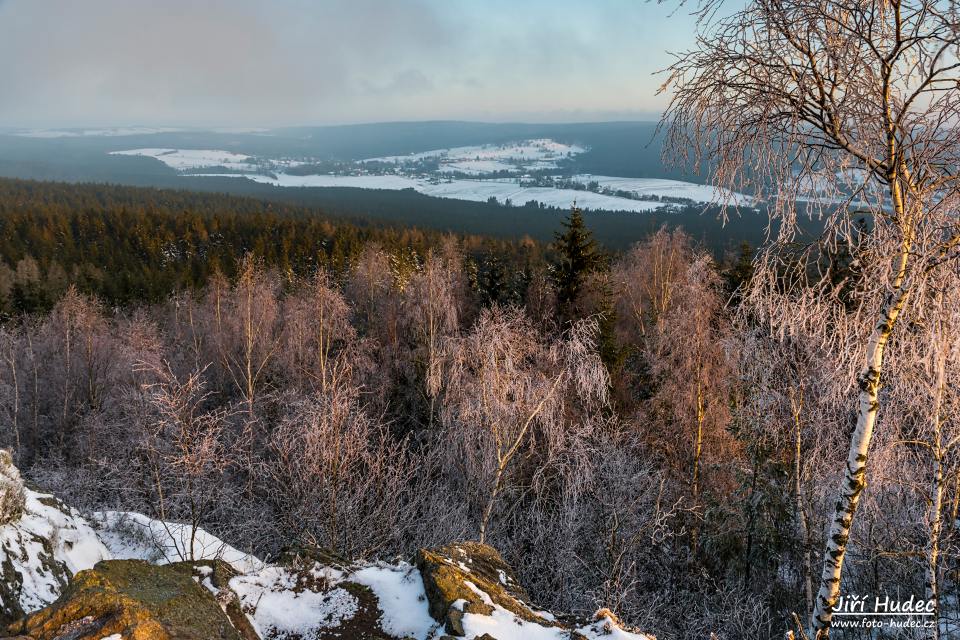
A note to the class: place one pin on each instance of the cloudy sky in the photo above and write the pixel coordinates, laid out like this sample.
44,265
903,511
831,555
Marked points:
283,62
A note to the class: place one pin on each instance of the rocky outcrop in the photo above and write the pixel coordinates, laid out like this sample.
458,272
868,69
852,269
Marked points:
135,599
471,578
40,549
463,590
474,594
12,492
57,582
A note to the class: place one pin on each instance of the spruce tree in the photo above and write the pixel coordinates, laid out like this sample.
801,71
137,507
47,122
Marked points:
577,256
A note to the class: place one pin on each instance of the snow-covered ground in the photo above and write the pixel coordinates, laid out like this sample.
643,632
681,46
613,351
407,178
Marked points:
526,155
279,602
479,160
400,592
279,606
483,190
181,159
473,190
134,535
662,187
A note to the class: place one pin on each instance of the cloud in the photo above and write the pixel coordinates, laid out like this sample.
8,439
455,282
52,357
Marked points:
270,62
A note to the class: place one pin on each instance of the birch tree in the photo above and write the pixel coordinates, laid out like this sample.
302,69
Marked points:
183,455
431,307
829,106
939,366
924,402
247,331
508,388
319,345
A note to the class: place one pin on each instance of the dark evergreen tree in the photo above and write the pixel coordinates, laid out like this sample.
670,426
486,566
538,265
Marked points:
577,255
738,270
494,287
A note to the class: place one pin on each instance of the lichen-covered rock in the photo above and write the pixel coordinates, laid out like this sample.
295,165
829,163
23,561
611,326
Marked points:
12,491
135,599
473,593
215,575
40,550
472,578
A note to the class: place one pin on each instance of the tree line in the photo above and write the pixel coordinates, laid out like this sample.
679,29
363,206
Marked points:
126,245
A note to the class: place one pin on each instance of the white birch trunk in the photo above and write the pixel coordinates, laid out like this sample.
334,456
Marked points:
933,545
855,474
935,517
800,517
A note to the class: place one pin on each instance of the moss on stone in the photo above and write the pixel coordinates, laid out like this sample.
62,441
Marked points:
136,599
446,571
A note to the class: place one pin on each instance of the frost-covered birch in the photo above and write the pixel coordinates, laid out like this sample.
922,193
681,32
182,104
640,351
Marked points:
831,106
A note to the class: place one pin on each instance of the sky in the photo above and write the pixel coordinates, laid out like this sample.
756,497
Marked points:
72,63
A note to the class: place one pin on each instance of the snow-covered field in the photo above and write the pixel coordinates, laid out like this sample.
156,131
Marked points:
473,190
478,160
662,187
483,190
527,155
181,159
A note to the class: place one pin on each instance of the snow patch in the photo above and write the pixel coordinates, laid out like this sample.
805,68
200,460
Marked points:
130,535
278,607
181,159
403,601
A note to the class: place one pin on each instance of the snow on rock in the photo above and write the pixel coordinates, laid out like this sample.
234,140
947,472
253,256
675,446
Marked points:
40,551
464,589
131,535
606,627
282,603
504,625
401,596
